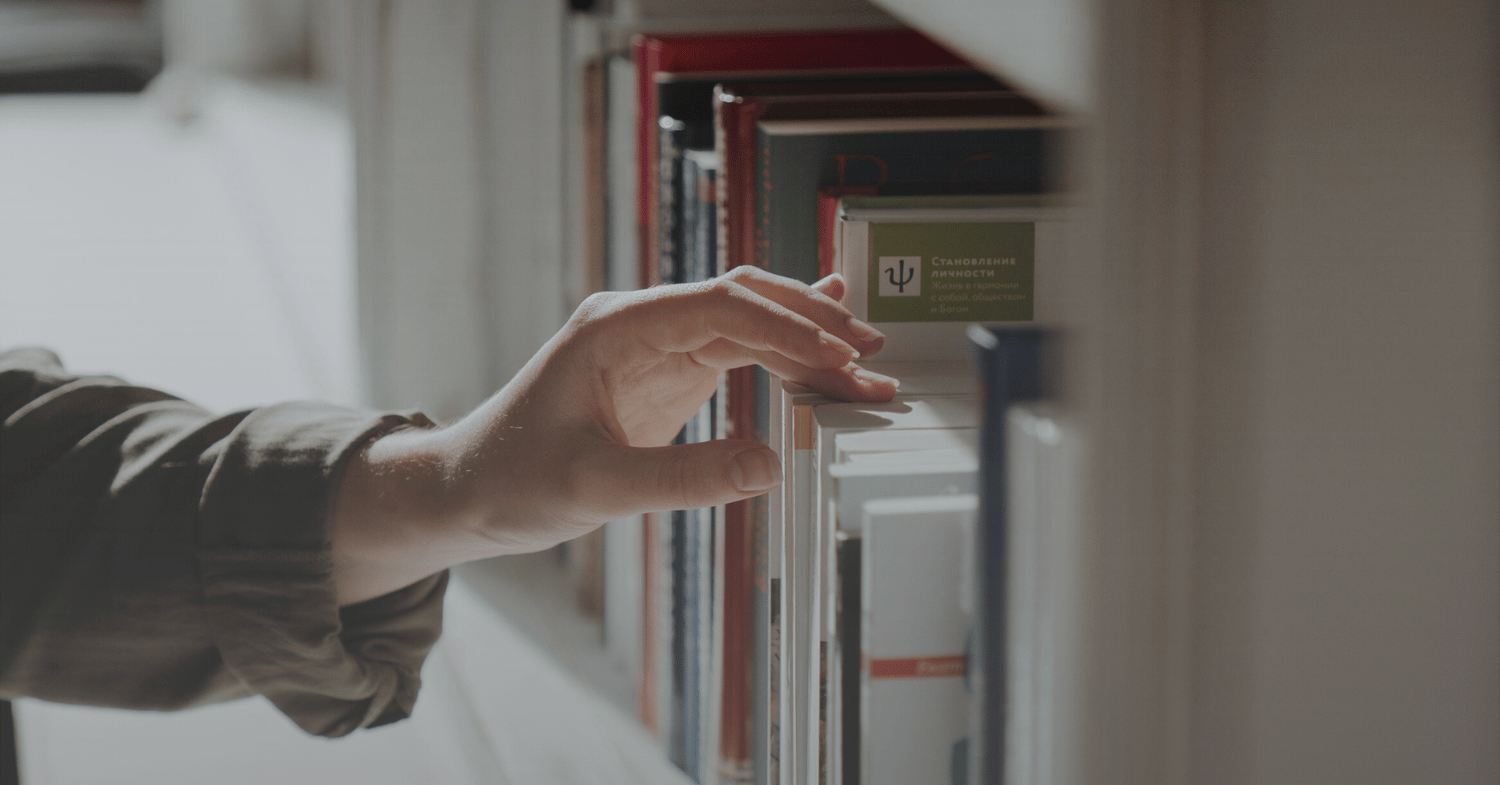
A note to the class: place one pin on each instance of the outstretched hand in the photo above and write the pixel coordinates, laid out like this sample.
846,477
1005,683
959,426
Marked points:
582,434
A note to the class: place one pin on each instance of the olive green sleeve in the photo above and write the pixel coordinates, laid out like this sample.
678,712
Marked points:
155,556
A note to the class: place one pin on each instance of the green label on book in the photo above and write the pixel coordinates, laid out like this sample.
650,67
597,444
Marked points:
952,272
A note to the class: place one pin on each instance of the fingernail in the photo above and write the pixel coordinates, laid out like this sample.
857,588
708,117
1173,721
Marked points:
876,378
829,339
755,470
863,331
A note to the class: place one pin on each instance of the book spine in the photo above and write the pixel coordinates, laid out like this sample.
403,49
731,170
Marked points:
646,684
691,177
849,660
1010,370
738,709
680,645
669,202
596,175
803,592
759,237
705,224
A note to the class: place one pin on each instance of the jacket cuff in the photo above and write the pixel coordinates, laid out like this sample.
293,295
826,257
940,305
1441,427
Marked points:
266,567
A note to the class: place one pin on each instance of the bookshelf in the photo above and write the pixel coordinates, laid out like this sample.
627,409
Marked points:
1254,180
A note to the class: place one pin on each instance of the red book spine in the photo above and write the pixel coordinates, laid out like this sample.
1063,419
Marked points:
736,191
834,51
736,123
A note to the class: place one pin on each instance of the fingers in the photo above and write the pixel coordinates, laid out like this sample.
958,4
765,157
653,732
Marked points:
849,382
692,317
629,480
749,307
833,287
819,302
799,332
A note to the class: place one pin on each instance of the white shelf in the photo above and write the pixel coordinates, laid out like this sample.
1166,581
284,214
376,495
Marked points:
1045,47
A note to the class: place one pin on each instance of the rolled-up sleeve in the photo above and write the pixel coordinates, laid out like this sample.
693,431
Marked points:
155,556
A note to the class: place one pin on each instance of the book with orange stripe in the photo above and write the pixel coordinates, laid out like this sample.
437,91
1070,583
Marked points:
917,611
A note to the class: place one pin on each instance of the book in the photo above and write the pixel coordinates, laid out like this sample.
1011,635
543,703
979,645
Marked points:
625,183
922,268
914,627
740,106
1043,613
687,711
796,157
804,533
836,495
1010,363
843,140
700,172
676,74
869,465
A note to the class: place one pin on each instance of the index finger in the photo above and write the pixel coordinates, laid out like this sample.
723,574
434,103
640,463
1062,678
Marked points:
689,317
818,302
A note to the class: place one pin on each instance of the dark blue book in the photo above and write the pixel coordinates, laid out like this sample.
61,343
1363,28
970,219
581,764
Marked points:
1011,370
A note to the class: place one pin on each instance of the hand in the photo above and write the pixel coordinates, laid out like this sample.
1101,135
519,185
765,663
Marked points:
581,435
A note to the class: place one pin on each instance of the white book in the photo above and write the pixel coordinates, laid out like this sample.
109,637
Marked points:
1043,615
877,445
913,473
949,466
835,419
830,422
915,621
793,439
806,427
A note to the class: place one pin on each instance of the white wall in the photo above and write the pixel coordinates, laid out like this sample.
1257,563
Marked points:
457,109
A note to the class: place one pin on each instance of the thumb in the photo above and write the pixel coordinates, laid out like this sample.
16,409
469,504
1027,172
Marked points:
628,480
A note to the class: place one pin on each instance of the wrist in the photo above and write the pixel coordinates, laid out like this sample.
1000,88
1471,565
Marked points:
397,517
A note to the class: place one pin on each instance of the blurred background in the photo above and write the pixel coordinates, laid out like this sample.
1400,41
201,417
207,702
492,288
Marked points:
191,226
177,208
